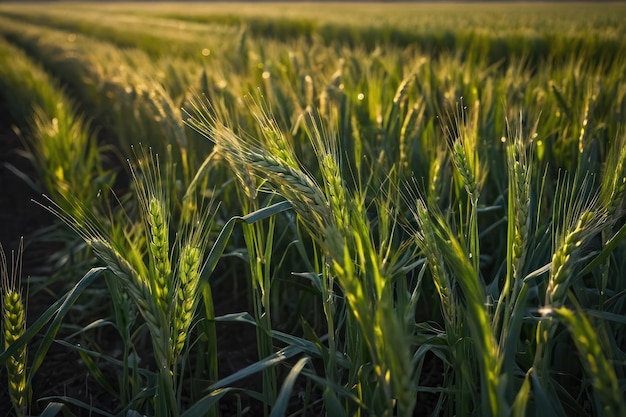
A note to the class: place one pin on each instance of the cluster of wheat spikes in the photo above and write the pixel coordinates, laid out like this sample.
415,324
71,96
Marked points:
13,327
160,275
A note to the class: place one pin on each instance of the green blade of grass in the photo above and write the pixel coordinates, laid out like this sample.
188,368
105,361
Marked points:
521,399
55,325
199,409
607,316
544,402
280,407
332,404
606,251
266,212
222,239
69,400
86,357
272,360
237,317
334,389
218,247
53,409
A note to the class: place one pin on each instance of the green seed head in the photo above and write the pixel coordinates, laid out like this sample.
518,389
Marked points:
186,295
159,249
14,326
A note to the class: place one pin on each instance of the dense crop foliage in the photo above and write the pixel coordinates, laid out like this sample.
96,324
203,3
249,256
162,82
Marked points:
412,209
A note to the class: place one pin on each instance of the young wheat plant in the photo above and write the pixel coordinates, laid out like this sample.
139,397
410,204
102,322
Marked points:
161,277
519,157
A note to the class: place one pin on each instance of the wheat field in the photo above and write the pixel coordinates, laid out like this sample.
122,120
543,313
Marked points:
313,209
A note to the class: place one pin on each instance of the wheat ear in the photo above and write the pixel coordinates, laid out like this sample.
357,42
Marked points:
289,180
428,244
462,163
188,278
520,191
279,168
614,187
567,254
595,362
159,249
14,326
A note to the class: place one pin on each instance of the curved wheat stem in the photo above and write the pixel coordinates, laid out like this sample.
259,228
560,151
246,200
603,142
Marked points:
139,290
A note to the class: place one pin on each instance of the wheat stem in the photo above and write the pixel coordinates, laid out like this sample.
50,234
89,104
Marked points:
139,290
